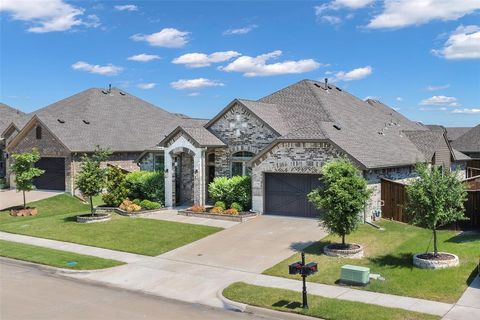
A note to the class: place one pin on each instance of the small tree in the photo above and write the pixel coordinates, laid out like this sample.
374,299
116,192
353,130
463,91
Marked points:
24,169
116,186
435,199
91,179
342,197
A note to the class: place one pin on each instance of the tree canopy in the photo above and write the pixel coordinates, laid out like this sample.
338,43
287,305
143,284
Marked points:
24,169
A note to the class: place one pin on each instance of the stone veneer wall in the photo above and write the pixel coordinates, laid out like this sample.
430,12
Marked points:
289,157
186,178
241,131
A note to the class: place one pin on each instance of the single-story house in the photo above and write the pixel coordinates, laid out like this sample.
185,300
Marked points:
469,144
7,116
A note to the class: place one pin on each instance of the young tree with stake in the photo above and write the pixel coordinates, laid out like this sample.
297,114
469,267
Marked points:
24,169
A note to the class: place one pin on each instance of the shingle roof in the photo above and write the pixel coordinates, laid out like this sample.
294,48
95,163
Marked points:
427,141
268,112
370,131
452,132
202,137
8,115
459,156
115,120
469,141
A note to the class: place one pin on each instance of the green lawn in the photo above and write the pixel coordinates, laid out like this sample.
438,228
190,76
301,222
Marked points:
320,307
54,258
389,253
56,220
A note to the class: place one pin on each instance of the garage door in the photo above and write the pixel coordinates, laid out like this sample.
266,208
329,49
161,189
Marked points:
54,176
286,194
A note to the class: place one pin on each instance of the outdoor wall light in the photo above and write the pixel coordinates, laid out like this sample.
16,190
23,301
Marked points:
166,170
196,171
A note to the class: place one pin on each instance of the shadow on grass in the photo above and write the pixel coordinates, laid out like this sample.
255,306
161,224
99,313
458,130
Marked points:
473,275
309,247
466,236
287,304
403,260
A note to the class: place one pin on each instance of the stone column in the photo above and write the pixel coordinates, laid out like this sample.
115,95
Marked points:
168,179
199,176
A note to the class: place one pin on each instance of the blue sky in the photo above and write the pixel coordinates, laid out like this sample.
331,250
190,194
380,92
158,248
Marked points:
422,57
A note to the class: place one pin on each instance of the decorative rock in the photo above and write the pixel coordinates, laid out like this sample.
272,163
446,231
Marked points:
23,212
353,253
88,218
435,264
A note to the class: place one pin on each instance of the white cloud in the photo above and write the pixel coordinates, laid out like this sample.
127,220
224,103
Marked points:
48,15
463,43
403,13
339,4
196,60
399,98
258,67
238,31
146,86
108,70
439,101
195,83
437,88
143,57
355,74
167,37
193,94
331,19
468,111
433,109
126,7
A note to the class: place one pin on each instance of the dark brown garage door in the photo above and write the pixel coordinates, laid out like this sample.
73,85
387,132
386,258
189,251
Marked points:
54,176
286,194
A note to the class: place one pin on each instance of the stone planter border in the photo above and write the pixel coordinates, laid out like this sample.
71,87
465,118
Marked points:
435,264
88,218
125,213
342,253
241,217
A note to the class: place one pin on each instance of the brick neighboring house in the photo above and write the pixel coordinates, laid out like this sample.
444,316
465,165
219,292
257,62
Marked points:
111,119
8,115
468,142
283,139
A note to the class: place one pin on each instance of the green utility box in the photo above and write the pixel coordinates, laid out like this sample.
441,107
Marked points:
355,275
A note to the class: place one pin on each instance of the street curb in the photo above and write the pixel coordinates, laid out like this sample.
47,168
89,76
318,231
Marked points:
246,308
50,269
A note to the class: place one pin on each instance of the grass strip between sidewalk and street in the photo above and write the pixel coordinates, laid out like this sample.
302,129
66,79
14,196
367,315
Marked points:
320,307
54,258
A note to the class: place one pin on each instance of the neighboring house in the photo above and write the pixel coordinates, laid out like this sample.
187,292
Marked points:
283,139
110,119
7,116
469,144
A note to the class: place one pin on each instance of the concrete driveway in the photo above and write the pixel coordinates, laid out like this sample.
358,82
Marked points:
252,246
12,198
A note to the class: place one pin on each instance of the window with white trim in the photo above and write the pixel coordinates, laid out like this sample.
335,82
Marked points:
239,163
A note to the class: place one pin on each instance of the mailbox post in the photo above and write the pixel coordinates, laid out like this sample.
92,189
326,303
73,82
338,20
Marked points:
304,269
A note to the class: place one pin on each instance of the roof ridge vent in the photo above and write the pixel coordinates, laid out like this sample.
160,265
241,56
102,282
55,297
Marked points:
336,126
60,120
86,122
122,93
104,91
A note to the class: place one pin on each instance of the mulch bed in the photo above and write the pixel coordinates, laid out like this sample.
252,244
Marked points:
23,212
438,257
347,246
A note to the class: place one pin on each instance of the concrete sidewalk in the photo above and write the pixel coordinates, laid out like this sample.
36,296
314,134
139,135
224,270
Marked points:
73,247
468,307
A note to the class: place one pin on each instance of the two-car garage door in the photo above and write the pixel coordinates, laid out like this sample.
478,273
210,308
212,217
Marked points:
54,176
286,194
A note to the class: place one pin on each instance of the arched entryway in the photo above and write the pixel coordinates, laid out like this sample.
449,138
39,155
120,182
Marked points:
183,176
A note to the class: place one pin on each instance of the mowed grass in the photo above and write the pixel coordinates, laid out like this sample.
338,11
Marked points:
320,307
56,220
389,253
54,258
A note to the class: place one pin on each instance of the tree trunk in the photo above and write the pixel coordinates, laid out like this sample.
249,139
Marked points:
91,205
435,249
24,201
343,240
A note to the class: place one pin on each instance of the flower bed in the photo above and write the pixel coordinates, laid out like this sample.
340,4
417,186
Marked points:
240,217
430,261
139,213
352,250
23,212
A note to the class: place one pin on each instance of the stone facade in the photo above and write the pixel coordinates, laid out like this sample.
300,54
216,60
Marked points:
148,163
241,131
289,157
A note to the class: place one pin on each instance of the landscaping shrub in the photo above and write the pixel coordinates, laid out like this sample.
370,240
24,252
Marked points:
146,185
217,210
116,186
229,190
197,208
236,206
150,205
129,206
137,202
221,204
232,212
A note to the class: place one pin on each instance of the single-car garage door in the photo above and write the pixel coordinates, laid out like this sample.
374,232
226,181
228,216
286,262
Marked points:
286,194
54,176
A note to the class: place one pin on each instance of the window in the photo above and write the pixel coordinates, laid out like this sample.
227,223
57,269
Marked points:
239,163
38,132
158,163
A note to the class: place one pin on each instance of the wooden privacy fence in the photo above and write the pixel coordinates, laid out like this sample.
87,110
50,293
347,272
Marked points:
394,199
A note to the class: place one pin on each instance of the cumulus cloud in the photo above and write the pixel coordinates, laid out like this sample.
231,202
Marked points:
108,70
143,57
126,7
258,66
463,43
48,15
467,111
146,86
337,5
197,60
355,74
167,37
439,101
195,84
238,31
331,19
403,13
437,88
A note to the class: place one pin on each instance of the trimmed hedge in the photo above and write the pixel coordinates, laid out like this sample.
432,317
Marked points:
230,190
147,185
